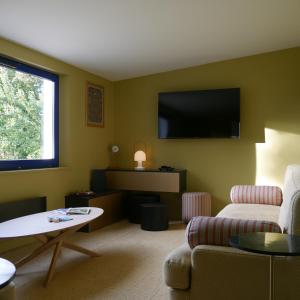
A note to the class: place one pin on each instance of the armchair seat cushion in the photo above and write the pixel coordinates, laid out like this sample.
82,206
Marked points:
260,212
218,231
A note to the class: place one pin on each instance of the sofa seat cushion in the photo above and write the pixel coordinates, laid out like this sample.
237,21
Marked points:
177,268
218,231
260,212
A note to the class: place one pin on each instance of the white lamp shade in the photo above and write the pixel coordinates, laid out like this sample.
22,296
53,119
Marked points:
139,156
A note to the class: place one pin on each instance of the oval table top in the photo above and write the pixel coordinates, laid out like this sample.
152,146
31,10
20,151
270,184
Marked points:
270,243
7,272
36,224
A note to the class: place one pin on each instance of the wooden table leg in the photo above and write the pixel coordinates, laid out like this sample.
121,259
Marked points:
79,249
53,262
59,241
271,279
46,246
43,238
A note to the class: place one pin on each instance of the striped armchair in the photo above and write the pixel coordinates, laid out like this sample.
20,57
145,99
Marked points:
206,268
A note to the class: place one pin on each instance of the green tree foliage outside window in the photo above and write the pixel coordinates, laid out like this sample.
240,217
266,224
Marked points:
21,108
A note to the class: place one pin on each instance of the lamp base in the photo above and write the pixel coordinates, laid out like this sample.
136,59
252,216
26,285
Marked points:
139,166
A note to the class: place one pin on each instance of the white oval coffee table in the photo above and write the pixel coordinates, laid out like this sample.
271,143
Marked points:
38,226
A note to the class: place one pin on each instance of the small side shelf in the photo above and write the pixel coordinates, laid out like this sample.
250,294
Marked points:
110,201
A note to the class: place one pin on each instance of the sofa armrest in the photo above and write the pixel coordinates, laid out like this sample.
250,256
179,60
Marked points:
177,268
227,273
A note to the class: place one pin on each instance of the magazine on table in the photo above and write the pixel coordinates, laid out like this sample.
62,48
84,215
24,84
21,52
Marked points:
74,211
78,211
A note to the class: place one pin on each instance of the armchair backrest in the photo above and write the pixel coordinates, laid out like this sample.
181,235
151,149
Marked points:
289,217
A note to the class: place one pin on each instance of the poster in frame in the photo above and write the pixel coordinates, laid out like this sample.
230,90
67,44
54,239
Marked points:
94,105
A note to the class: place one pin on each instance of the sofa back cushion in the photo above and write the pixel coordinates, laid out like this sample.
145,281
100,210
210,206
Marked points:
256,194
218,231
289,216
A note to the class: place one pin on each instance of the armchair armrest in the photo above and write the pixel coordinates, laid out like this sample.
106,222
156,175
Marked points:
256,194
177,268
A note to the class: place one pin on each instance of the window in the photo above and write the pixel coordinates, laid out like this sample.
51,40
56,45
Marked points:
28,117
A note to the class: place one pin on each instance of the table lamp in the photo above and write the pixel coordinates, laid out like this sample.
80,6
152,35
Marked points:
139,156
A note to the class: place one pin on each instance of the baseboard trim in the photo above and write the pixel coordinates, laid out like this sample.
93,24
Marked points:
176,222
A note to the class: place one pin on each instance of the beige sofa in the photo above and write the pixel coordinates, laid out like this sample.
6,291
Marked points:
211,272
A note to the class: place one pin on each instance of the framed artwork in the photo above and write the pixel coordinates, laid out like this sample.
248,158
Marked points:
94,105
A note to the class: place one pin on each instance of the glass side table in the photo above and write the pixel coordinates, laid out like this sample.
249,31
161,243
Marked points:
268,243
7,272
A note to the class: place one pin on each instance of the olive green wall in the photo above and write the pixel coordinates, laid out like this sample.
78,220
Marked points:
81,148
270,123
270,128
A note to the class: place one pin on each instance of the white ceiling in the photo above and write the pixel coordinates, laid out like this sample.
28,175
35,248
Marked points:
121,39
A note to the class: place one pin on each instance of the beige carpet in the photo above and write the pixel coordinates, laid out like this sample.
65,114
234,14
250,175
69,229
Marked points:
130,266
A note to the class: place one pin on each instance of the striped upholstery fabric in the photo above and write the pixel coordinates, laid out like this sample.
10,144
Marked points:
256,194
218,231
195,204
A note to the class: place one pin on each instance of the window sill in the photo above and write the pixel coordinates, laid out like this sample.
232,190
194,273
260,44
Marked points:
28,171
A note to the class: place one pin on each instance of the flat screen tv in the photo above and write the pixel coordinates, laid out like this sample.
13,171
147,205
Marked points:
199,114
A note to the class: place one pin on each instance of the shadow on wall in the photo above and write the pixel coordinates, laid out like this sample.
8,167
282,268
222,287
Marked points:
280,149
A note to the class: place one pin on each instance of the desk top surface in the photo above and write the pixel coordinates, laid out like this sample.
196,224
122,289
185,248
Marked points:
146,170
36,224
7,272
267,243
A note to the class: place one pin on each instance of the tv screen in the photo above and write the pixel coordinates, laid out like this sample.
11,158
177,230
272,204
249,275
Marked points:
199,114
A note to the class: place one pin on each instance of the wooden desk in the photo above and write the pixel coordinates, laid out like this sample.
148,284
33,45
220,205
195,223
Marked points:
147,180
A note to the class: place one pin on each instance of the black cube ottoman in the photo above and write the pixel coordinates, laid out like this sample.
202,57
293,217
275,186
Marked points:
134,205
154,217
